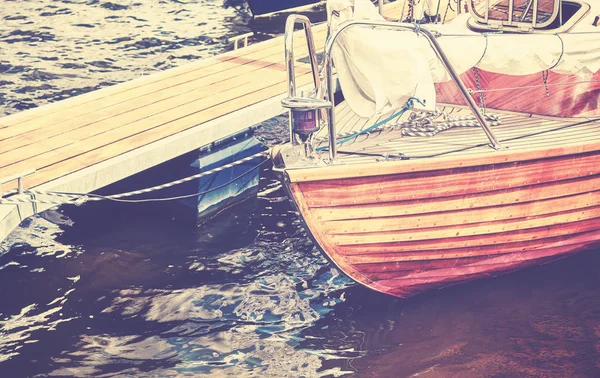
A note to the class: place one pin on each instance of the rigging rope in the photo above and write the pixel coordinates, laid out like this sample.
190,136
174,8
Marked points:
425,127
409,105
411,127
479,89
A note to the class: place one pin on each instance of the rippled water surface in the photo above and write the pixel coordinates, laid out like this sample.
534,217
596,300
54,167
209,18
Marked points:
57,49
125,290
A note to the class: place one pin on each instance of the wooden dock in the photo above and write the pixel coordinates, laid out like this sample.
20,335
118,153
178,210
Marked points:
89,141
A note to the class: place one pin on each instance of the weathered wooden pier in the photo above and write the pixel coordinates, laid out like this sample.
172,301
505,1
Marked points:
84,143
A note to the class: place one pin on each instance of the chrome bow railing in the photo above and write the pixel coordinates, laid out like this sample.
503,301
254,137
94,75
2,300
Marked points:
326,91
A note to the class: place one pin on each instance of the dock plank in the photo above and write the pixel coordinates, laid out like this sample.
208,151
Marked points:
213,63
206,73
126,111
120,117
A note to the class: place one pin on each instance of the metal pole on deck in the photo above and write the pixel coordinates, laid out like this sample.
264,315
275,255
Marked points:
289,58
436,47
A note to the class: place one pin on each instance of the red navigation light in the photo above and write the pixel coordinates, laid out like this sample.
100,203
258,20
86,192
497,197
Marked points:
306,122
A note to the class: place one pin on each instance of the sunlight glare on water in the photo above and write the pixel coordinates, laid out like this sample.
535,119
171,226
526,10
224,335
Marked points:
52,50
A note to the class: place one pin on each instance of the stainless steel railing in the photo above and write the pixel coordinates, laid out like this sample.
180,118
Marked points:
326,92
436,47
289,50
289,57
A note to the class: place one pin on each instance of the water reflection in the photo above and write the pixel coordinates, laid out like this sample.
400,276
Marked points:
111,290
57,49
146,294
28,313
539,322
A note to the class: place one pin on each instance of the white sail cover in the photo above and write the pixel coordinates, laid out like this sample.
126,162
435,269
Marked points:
379,69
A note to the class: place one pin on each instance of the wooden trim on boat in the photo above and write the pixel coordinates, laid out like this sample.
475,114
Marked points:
434,164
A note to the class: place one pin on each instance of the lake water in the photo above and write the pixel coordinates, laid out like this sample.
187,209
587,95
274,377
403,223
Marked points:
120,290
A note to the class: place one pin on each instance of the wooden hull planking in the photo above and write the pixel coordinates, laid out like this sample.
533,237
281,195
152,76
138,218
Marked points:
409,230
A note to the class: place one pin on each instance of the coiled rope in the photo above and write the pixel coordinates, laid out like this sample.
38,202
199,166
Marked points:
409,105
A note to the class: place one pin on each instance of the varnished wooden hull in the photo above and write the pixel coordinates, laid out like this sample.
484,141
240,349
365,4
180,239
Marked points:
404,227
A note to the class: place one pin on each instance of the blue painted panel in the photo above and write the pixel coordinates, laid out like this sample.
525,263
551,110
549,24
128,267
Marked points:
192,163
225,186
258,7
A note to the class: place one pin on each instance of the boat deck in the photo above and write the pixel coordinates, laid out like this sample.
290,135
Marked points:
514,131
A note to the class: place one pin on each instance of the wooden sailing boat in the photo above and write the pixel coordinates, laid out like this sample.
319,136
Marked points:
425,199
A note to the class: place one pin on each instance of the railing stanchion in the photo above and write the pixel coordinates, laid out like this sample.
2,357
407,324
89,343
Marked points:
438,50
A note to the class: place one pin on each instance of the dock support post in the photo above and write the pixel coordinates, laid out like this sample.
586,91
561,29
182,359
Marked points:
19,177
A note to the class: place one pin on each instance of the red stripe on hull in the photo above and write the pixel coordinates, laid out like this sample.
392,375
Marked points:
570,95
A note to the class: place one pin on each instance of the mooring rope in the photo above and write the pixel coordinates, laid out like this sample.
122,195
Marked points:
409,105
80,198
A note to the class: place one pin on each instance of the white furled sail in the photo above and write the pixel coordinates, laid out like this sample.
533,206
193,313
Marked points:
379,69
376,77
